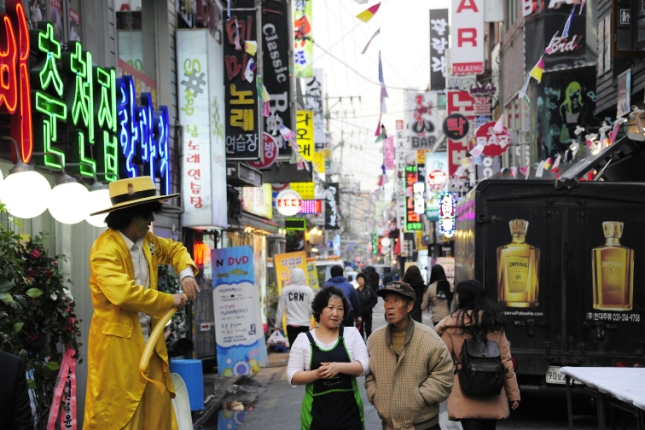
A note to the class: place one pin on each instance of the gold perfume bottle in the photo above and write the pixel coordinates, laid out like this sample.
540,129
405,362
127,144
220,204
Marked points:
518,269
613,271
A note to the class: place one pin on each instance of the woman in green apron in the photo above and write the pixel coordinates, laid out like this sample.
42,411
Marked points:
327,360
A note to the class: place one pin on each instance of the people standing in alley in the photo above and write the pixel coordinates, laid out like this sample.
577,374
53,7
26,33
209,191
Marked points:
438,295
327,360
127,305
15,409
411,368
339,281
387,276
414,279
477,317
296,299
368,299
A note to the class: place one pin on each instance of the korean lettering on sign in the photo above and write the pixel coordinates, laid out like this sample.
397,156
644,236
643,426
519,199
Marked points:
412,219
303,46
460,102
242,127
439,34
276,37
314,102
422,114
305,134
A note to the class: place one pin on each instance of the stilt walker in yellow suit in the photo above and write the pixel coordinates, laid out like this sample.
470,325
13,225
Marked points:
123,284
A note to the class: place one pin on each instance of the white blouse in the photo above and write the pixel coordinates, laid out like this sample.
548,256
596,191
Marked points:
300,354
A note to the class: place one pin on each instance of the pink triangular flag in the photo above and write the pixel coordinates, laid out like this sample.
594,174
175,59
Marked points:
556,165
614,131
378,127
513,171
499,125
266,109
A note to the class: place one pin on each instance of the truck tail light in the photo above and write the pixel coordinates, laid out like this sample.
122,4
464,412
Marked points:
620,364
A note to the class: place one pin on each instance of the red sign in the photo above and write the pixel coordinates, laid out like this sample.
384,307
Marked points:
399,125
270,153
495,143
459,102
436,178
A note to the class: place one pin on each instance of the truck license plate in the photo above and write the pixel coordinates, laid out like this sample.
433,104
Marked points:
554,376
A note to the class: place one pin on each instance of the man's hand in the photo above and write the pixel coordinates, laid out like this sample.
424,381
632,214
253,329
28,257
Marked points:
190,287
179,301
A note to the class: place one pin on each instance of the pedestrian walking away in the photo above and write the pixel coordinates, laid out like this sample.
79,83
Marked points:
296,299
15,409
327,360
410,367
339,281
368,299
127,305
438,294
414,279
476,317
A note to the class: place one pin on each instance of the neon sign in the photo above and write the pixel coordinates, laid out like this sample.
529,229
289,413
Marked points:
310,207
412,219
64,109
447,214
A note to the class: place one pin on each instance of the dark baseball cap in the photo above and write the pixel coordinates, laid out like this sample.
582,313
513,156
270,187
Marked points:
398,287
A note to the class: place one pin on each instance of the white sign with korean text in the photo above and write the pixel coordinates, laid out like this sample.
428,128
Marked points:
467,37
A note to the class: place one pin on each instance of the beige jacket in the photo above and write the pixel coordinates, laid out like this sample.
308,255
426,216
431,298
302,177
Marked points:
406,392
461,406
439,306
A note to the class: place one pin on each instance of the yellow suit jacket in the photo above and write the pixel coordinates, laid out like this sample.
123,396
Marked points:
115,346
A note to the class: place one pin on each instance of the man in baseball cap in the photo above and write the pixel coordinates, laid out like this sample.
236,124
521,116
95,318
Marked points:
409,363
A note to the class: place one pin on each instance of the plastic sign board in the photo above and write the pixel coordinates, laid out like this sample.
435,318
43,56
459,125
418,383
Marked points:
494,143
422,109
308,207
288,202
305,134
447,205
419,205
303,46
270,152
467,37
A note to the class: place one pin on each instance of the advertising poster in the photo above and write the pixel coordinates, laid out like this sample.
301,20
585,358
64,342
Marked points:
55,16
276,39
242,107
421,119
313,276
436,181
439,37
302,34
74,25
241,350
467,37
284,263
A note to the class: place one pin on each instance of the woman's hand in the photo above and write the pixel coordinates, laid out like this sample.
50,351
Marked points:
329,370
515,404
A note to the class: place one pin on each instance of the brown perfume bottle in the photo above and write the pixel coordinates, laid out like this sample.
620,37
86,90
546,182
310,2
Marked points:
518,269
613,271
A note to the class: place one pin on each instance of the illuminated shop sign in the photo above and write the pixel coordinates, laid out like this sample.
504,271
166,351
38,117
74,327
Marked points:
447,214
419,205
63,110
310,207
412,219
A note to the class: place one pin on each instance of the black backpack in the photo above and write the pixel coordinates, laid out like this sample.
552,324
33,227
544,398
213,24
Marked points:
482,372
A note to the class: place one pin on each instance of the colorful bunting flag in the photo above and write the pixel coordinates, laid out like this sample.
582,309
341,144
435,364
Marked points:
499,125
525,87
565,32
540,170
251,47
370,41
236,38
537,71
266,109
378,127
287,134
369,13
250,68
556,165
582,6
513,171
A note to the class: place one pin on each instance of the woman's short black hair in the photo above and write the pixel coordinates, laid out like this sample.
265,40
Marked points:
362,275
121,219
322,300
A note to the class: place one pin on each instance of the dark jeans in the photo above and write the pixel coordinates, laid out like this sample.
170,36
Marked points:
366,325
294,331
479,424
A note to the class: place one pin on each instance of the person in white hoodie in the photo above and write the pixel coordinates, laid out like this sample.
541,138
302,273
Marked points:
296,298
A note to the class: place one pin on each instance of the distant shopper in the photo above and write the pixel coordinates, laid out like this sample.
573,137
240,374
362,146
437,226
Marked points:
387,276
411,368
375,280
368,299
413,278
327,360
477,317
15,409
296,299
339,281
438,294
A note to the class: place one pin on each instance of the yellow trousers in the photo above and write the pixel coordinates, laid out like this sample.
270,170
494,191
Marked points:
155,411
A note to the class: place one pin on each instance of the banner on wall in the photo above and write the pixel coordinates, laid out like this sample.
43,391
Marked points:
421,120
303,45
241,350
439,36
467,37
284,263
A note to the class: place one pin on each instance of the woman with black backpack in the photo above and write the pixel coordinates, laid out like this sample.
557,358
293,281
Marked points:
485,384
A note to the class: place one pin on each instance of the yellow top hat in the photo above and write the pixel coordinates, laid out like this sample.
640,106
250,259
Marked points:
129,192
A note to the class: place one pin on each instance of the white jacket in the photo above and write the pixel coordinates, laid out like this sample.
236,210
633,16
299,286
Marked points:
296,298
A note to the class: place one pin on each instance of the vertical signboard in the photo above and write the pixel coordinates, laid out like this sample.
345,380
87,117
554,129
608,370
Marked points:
460,102
467,37
303,46
314,102
276,39
305,134
238,324
421,111
412,218
439,34
400,172
436,181
332,204
388,153
192,65
243,127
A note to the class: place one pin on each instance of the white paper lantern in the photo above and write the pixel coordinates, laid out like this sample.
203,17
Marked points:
96,201
25,194
68,203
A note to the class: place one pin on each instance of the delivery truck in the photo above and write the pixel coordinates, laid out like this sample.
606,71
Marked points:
565,259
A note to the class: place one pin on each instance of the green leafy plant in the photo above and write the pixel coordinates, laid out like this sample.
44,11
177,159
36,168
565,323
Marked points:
37,319
168,282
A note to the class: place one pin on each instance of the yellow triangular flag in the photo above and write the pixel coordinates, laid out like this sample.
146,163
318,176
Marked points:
369,13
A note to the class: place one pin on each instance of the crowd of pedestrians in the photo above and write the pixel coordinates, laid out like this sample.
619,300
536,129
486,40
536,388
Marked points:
409,368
